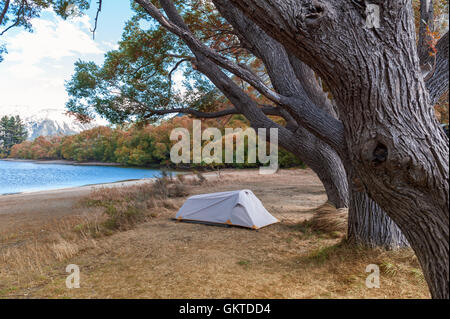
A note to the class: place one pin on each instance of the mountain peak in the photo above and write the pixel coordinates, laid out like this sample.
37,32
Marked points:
47,122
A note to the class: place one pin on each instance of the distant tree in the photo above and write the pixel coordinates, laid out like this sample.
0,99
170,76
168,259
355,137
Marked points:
12,132
20,132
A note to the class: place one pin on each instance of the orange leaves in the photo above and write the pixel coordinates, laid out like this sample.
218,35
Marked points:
21,150
432,39
129,145
82,118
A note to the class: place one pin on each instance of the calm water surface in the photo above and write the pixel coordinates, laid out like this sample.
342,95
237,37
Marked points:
17,177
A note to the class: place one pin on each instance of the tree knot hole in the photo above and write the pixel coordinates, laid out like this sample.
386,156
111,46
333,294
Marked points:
380,154
316,10
312,12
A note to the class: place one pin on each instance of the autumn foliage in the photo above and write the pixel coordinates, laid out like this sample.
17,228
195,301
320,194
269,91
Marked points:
135,145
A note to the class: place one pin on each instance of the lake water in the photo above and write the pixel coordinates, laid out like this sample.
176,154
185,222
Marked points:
17,177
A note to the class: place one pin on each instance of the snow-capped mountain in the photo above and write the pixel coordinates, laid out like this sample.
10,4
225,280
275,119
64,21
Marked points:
47,122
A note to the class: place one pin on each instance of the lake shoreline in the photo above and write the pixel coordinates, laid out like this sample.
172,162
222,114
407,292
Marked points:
61,162
109,164
8,201
19,177
78,189
75,190
126,182
123,182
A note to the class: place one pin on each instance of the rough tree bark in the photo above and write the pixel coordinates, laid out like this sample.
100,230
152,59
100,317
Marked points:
368,224
395,143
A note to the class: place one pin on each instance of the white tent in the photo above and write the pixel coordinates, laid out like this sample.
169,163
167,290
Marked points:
238,208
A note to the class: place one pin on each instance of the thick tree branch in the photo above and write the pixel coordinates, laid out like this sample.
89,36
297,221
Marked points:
190,111
5,9
312,87
284,79
209,68
268,110
178,28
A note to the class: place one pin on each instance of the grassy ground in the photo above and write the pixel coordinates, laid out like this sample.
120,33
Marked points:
131,248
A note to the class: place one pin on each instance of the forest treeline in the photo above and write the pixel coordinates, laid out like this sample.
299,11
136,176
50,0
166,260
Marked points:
135,145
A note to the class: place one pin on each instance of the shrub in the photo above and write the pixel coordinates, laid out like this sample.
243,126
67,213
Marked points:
178,190
201,179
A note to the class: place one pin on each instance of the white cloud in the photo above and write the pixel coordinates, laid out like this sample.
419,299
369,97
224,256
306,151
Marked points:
52,39
37,64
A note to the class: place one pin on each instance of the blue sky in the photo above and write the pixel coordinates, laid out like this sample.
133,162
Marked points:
34,71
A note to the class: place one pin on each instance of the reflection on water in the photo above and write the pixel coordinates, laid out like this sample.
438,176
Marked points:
16,177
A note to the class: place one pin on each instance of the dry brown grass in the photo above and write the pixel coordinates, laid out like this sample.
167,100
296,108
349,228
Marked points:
159,258
328,219
125,207
25,262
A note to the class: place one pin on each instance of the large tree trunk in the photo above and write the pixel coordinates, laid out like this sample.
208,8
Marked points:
370,226
368,223
396,145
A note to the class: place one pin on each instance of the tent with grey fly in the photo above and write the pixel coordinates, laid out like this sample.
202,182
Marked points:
236,208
